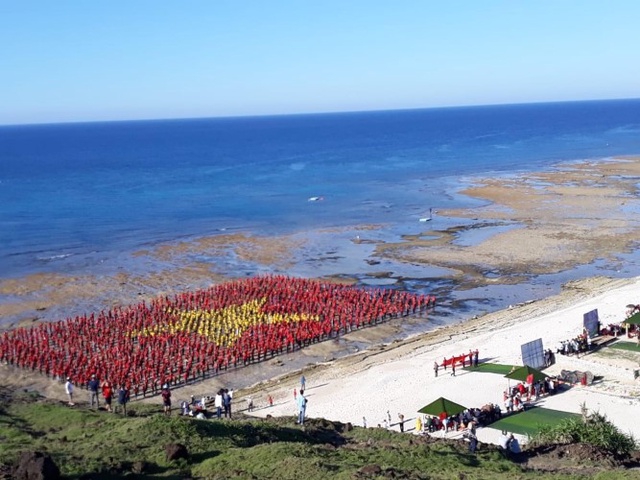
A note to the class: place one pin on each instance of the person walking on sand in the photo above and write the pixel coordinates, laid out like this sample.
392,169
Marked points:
453,369
302,407
68,388
401,422
303,383
435,369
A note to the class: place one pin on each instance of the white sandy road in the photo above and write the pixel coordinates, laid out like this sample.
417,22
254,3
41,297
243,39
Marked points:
402,379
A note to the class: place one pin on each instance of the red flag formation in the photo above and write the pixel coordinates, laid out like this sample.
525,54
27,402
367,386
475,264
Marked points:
196,334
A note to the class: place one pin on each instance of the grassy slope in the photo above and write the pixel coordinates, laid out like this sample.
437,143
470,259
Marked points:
103,445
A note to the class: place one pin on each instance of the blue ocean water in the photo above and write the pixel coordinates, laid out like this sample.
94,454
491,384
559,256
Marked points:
95,190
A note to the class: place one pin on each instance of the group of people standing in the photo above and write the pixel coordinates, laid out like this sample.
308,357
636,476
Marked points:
194,335
222,401
95,388
466,359
577,345
516,397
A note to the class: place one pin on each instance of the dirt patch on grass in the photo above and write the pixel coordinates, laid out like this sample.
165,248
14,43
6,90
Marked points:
578,458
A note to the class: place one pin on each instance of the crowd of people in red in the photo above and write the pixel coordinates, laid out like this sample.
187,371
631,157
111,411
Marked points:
192,335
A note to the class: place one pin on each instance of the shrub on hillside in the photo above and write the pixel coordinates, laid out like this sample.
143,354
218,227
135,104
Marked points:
591,428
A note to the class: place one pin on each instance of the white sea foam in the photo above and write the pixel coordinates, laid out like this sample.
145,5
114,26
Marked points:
51,258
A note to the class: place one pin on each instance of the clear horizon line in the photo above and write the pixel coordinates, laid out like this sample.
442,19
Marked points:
310,113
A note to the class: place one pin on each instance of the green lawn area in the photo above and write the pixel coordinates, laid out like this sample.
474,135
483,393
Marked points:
491,368
628,346
529,421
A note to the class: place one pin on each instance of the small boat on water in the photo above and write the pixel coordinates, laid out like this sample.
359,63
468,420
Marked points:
315,199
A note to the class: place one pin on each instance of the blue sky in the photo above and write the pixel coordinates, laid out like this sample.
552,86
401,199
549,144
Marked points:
90,60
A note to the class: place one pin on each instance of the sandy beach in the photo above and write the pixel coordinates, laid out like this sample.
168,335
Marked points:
543,223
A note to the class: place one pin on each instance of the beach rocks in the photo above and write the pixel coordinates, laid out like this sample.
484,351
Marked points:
375,471
175,451
371,470
35,466
139,467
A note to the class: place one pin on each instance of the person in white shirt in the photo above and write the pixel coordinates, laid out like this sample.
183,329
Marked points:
217,402
551,386
68,388
503,441
302,407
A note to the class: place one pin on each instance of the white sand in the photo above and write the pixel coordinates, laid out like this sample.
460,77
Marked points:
401,380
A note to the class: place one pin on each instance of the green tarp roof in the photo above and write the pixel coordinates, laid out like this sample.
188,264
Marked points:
633,319
521,373
440,405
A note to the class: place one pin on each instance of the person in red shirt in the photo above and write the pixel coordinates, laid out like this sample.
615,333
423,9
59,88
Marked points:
107,393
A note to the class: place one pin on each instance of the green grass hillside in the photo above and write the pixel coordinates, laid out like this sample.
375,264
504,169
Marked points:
90,444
